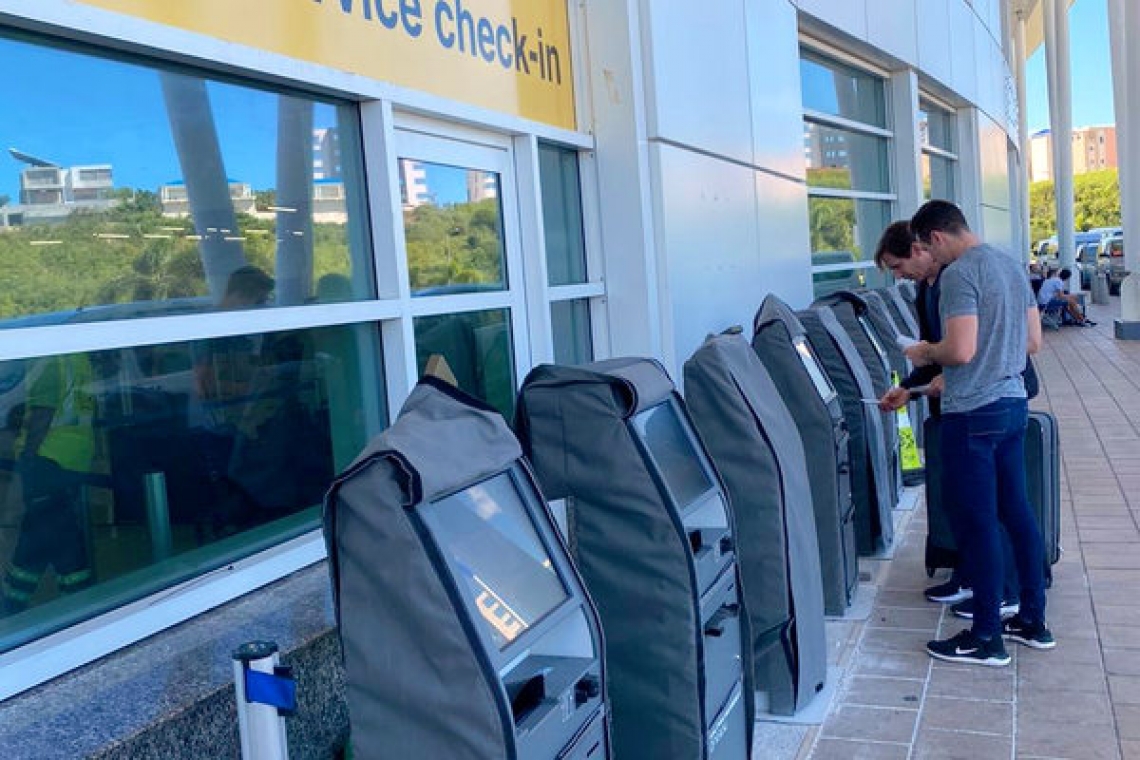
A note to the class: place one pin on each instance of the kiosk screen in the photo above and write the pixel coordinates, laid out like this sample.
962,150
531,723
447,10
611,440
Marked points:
818,378
664,434
497,556
867,328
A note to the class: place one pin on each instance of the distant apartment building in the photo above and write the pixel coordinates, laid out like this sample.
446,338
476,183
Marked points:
1094,148
50,192
326,154
175,198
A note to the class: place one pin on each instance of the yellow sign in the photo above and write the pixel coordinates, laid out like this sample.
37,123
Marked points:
511,56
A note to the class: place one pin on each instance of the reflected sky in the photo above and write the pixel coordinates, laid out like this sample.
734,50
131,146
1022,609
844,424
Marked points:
74,109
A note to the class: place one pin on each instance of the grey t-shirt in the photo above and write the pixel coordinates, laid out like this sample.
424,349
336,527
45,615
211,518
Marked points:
991,285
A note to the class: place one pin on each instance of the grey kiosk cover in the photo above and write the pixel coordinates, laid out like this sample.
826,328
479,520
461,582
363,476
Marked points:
758,453
402,644
852,313
630,546
900,310
774,330
871,484
889,325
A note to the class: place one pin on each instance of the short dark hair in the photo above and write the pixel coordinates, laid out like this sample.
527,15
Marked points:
1065,273
249,282
937,216
896,241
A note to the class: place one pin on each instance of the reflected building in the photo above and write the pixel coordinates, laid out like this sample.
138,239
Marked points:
50,192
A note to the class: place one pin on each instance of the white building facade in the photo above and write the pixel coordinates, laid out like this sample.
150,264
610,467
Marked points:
585,180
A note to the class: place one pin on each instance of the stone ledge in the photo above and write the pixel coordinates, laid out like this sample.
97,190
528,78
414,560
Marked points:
172,695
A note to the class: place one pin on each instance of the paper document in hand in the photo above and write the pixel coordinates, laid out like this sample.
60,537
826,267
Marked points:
905,342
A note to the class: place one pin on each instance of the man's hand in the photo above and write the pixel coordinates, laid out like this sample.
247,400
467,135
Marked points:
936,386
894,399
919,354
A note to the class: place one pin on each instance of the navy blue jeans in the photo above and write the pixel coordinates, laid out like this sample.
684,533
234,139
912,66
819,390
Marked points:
983,454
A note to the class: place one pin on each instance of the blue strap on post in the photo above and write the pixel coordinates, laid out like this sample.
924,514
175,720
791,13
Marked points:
276,689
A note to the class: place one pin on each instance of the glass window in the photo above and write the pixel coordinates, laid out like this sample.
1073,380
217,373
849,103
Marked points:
844,159
157,185
936,127
453,228
570,324
126,471
478,350
833,88
845,231
562,215
937,177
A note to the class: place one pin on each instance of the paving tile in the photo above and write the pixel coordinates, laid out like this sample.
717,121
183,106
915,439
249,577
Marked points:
898,664
877,691
933,744
1127,721
922,619
1110,614
976,716
1125,690
871,724
1130,749
1119,636
845,749
1122,662
1036,707
1094,536
971,682
895,640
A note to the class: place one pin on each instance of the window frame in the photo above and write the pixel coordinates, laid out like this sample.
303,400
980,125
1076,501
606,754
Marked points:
823,55
379,106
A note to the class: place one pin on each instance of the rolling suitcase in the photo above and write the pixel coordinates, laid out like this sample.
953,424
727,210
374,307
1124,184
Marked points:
1043,487
1043,480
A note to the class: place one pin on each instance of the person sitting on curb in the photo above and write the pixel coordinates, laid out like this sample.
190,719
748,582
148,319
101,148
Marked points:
1054,293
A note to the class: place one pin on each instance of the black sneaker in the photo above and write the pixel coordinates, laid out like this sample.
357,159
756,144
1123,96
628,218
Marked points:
948,592
966,647
1033,635
965,609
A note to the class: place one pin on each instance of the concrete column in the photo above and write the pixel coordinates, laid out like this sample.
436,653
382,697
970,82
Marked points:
1022,235
908,144
1058,73
1123,27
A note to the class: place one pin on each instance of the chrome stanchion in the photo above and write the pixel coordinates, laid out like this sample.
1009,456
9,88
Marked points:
266,693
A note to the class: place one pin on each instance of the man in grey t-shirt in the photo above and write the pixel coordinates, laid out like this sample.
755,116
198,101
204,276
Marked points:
989,322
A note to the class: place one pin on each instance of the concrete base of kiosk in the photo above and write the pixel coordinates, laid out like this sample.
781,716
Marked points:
812,714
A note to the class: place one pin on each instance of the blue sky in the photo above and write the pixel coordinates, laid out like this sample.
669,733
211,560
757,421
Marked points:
1091,66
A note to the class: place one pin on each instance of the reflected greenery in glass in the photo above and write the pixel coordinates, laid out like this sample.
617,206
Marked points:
453,228
478,350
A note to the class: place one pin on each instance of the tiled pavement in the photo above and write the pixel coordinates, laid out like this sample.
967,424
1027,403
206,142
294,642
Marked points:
1080,701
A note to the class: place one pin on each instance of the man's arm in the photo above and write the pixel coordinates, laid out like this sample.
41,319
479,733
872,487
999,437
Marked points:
1033,323
958,345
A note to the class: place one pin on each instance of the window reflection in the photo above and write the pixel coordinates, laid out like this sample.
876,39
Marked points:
453,228
113,462
844,159
161,184
562,215
570,327
478,350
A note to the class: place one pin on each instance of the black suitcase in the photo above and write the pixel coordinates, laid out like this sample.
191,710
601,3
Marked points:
1043,487
1043,480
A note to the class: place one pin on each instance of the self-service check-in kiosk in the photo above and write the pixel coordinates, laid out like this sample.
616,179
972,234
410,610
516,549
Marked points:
871,484
653,537
851,312
781,344
757,450
888,329
900,310
466,630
